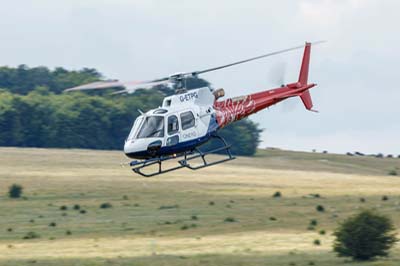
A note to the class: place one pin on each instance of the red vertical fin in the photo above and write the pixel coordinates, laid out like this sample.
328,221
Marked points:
303,77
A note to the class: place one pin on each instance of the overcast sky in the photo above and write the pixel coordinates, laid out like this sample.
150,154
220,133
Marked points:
358,92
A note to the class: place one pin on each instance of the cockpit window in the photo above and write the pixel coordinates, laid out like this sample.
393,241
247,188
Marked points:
153,127
135,127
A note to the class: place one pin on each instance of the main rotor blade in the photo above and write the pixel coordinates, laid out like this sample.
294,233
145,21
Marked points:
132,89
251,59
107,84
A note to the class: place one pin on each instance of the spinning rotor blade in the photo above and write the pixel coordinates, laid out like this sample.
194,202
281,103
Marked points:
250,59
175,78
132,89
98,85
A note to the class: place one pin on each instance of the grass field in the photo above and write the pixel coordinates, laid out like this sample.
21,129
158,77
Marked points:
222,215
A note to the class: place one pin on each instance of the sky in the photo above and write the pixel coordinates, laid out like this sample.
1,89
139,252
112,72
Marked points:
358,94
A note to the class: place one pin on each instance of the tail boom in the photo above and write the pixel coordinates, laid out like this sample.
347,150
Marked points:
237,108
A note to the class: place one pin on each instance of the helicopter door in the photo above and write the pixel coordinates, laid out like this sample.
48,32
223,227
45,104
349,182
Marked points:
172,130
188,122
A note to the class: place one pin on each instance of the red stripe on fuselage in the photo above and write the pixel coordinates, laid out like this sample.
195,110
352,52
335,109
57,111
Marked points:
237,108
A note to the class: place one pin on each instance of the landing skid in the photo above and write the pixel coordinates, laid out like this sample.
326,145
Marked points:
138,166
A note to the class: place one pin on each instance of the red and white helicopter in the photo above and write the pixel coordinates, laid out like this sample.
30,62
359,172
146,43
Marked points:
191,118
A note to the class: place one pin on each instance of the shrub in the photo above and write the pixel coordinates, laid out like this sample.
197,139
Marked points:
272,218
184,227
165,207
211,203
277,194
364,236
105,205
63,208
9,229
313,222
230,220
52,224
317,242
320,208
31,235
125,197
77,207
68,232
194,217
362,199
82,211
392,172
15,191
385,198
322,232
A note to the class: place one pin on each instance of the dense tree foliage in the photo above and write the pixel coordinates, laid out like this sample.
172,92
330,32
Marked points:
34,112
22,79
365,236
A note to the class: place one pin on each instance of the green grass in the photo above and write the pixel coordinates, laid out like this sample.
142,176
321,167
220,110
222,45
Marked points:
144,225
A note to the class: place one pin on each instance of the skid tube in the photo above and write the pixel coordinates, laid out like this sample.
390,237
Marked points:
137,166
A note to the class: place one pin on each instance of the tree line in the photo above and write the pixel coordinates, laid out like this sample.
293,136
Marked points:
35,113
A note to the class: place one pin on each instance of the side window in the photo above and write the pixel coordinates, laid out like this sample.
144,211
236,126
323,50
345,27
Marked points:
173,125
187,119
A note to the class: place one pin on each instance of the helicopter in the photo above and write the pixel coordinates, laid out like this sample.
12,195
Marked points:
191,118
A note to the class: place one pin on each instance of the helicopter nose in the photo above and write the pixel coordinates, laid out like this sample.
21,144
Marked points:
129,147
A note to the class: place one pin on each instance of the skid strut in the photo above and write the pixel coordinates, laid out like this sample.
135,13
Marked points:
138,166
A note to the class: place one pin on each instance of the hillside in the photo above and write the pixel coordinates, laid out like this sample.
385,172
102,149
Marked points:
222,215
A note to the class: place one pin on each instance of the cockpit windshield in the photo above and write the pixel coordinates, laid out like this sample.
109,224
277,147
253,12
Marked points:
135,127
152,127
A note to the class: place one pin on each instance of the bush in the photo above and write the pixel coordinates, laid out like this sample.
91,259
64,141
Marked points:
211,203
52,224
63,208
364,236
317,242
230,220
105,205
166,207
322,232
194,217
392,172
77,207
272,218
320,208
82,211
385,198
15,191
277,194
313,222
31,235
